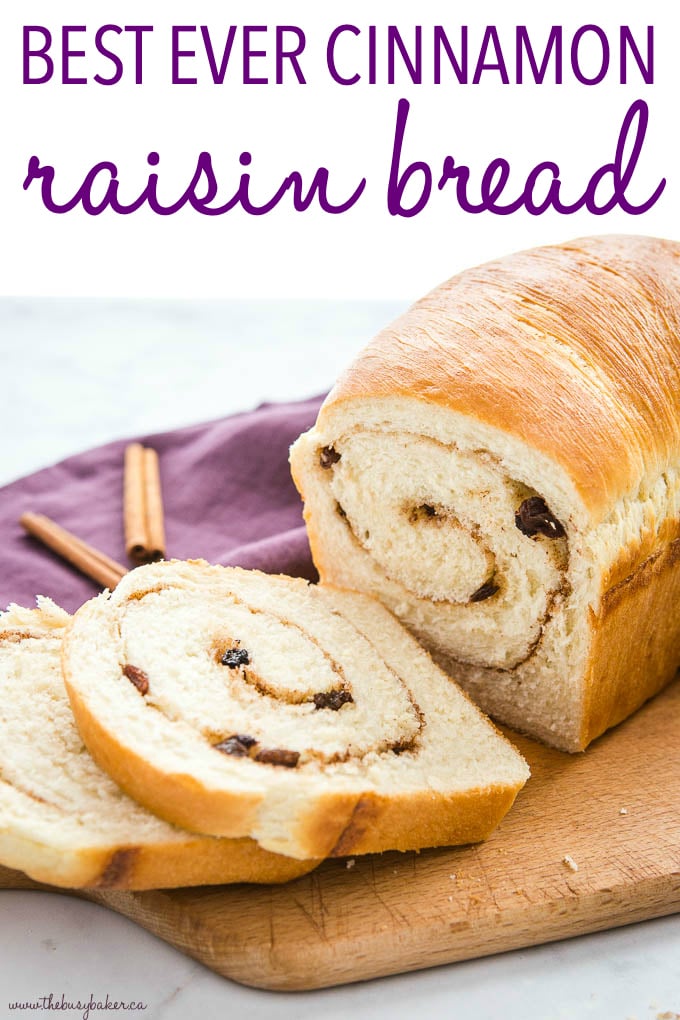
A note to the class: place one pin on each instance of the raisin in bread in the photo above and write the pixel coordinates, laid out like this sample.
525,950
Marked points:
501,467
64,821
241,704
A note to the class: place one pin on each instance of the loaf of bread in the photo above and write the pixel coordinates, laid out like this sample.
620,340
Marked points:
62,820
501,467
240,704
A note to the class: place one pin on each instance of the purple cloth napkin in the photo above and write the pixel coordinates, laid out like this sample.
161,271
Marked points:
227,493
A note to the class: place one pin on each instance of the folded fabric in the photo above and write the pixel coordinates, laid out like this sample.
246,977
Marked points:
227,493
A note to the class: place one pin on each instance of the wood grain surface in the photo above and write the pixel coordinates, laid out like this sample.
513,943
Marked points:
614,810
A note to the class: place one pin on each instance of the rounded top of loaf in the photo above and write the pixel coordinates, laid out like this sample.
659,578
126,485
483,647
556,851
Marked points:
572,348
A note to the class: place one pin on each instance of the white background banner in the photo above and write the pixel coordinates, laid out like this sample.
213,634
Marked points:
294,126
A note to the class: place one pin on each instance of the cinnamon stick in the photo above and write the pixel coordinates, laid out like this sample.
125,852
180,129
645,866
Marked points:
143,505
84,557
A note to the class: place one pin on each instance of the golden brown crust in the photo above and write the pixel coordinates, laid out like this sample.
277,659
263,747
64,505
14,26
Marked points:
342,824
205,861
649,545
574,349
322,832
197,860
193,807
636,639
418,820
330,819
120,867
159,863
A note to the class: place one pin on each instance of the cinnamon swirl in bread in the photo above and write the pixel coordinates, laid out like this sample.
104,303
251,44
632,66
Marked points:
63,820
501,467
241,704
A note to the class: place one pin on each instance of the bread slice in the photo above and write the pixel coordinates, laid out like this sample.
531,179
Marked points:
241,704
65,822
501,467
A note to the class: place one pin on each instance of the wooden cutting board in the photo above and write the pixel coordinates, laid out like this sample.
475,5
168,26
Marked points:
615,811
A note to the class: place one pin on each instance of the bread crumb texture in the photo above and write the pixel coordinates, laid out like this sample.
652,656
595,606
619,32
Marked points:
304,717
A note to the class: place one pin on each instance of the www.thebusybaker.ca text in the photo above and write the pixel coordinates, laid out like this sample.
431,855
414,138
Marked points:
83,1006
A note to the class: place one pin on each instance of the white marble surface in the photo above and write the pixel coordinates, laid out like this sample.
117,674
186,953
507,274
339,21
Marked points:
74,374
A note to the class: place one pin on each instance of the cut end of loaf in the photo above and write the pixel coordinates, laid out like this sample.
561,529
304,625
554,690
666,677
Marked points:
432,525
501,468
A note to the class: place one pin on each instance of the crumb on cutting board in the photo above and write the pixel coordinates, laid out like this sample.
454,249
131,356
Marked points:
570,862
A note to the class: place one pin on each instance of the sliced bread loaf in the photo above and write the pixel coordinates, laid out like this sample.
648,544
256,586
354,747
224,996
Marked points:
63,820
501,467
240,704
